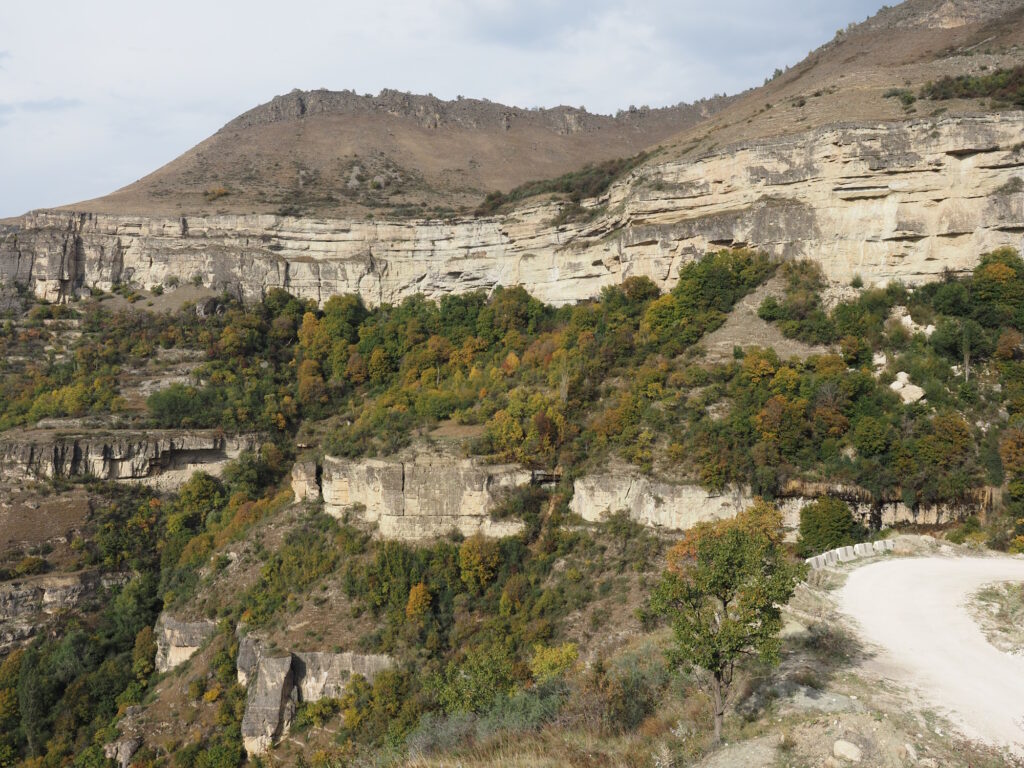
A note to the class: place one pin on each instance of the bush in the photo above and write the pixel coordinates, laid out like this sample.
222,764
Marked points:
827,524
1003,85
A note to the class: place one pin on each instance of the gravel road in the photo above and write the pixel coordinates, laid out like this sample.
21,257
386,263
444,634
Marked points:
913,613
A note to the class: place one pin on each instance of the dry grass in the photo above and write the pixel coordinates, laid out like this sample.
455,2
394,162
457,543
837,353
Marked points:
999,609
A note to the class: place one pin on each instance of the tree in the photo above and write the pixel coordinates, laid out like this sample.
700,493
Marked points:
826,524
722,595
478,562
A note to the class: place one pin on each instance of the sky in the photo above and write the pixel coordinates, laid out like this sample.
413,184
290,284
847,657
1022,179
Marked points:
95,95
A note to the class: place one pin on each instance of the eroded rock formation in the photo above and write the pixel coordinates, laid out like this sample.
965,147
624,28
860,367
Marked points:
177,641
886,201
123,455
676,506
269,705
305,482
279,682
28,604
425,496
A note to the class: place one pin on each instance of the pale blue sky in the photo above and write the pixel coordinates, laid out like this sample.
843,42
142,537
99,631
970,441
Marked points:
94,95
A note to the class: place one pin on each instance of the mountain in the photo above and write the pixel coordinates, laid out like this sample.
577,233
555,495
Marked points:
375,430
330,154
843,158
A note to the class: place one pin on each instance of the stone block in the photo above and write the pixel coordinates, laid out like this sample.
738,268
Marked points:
176,641
305,485
270,704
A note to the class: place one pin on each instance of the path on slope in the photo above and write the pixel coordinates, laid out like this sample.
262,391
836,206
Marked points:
915,611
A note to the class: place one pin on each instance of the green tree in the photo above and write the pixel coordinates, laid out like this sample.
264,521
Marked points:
826,524
722,595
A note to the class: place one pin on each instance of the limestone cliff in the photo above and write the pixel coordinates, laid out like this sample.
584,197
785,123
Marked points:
277,683
426,496
886,201
676,506
28,604
167,456
176,640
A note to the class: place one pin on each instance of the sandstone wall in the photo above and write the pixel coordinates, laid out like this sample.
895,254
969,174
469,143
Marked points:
423,497
898,200
170,455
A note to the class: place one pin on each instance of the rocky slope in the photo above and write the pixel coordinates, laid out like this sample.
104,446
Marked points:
337,153
884,201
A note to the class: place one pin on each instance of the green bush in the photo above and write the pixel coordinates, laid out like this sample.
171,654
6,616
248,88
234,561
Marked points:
827,524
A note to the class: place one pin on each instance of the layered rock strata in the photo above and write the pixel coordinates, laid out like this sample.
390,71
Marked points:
885,201
123,455
678,507
423,497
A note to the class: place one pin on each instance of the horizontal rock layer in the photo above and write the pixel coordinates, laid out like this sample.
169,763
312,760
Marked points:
886,201
124,455
680,507
426,496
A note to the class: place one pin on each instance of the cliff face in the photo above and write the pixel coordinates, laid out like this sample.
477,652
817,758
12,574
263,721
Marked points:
422,498
886,201
28,604
277,683
167,456
680,507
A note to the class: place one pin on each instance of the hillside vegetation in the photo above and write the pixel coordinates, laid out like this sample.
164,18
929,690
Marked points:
490,636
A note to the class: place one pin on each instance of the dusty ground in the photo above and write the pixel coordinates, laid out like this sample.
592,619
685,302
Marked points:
745,329
914,611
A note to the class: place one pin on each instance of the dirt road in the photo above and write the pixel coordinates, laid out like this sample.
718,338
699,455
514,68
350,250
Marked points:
913,613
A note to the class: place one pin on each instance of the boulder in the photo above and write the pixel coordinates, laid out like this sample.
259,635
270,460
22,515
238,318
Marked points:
909,393
847,750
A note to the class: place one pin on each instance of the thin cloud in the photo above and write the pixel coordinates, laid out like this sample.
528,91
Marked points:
56,104
137,107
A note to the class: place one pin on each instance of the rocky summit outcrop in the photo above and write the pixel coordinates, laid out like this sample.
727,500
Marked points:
679,507
278,682
424,496
171,455
177,641
886,201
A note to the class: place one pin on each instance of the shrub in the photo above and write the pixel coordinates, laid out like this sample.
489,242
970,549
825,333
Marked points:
826,524
478,562
550,662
